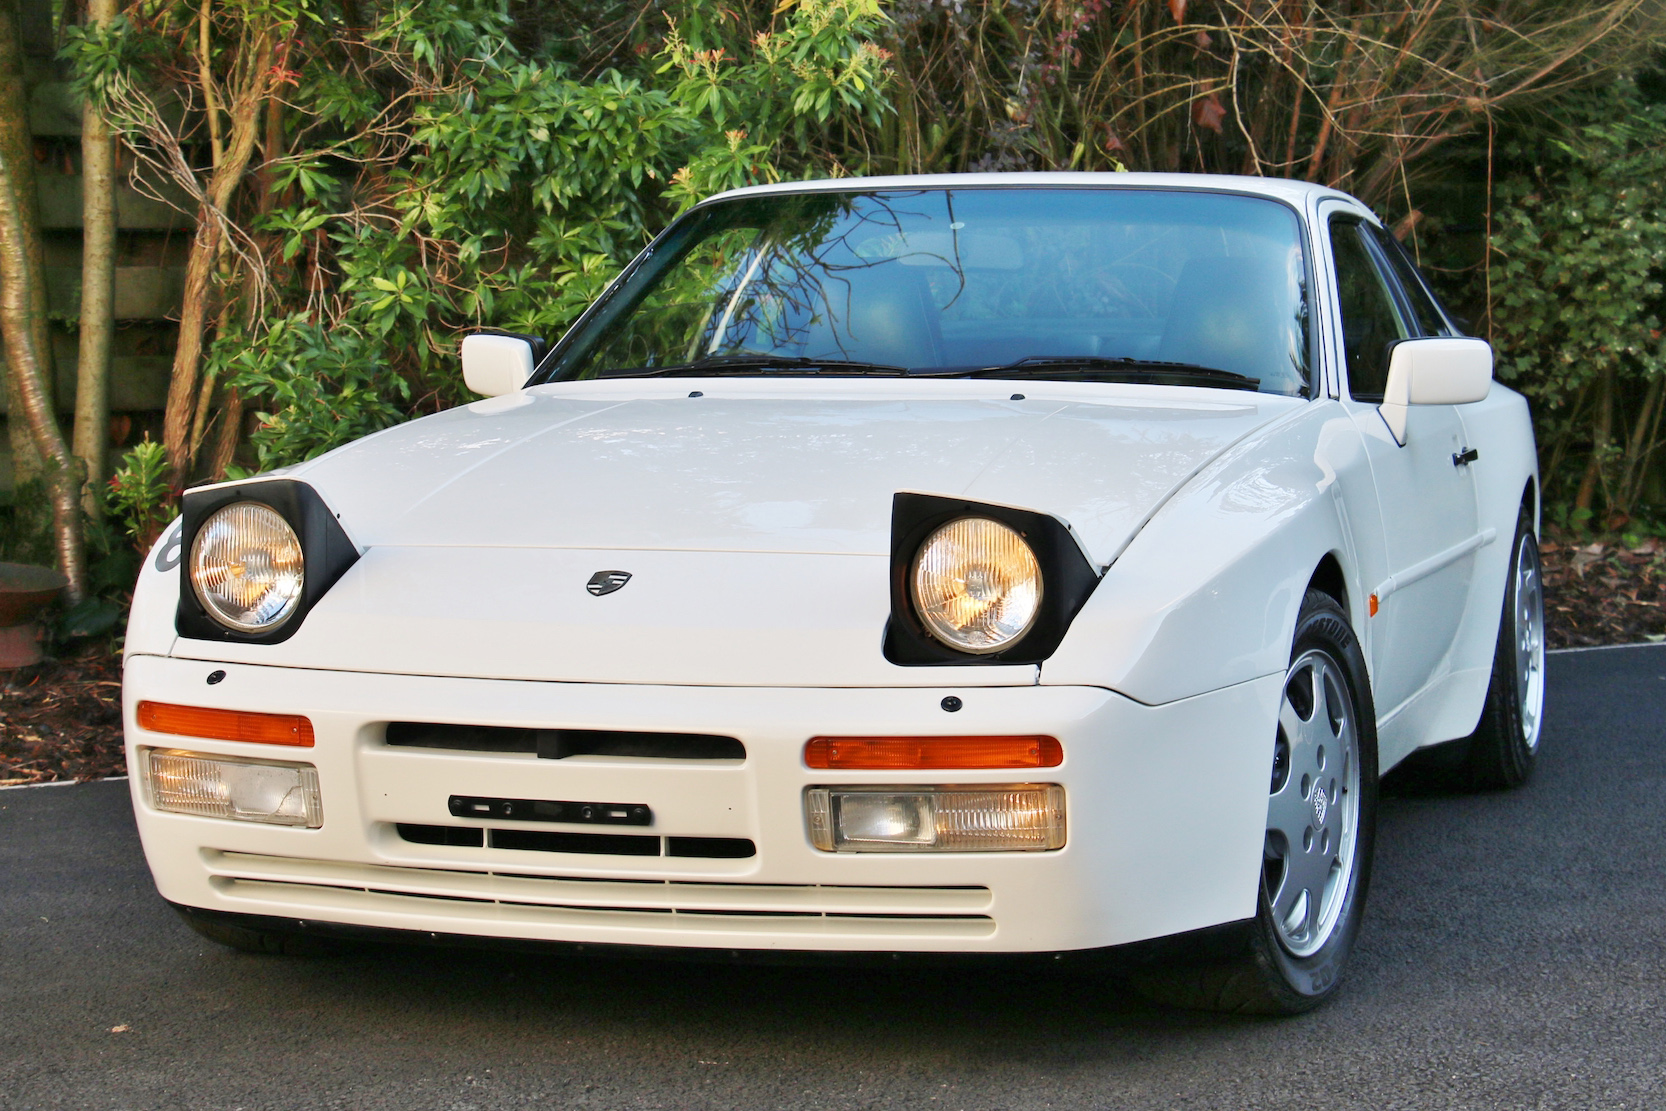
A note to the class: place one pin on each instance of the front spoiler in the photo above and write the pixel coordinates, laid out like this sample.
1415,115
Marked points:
1222,942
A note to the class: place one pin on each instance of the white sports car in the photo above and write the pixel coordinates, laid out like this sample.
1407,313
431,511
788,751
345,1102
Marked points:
984,564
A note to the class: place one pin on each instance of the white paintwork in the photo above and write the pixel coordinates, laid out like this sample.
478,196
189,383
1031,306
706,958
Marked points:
771,465
755,520
745,574
1301,195
1430,523
709,618
495,365
1113,882
1434,371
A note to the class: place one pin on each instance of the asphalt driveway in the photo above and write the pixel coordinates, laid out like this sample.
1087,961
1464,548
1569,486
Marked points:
1513,956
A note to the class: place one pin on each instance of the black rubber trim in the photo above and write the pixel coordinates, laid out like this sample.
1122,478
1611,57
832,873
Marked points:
1067,580
324,545
559,744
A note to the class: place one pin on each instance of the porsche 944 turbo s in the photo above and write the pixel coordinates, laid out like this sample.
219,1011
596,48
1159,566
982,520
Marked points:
980,564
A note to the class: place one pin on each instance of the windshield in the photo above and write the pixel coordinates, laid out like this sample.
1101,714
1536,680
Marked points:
1066,283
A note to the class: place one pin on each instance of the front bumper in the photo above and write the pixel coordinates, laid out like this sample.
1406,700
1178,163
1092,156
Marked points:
1166,808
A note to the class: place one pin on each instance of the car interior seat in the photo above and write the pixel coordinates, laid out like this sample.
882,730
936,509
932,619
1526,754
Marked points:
1233,314
881,313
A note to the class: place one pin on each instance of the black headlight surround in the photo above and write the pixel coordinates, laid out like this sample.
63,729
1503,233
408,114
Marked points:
1067,581
324,545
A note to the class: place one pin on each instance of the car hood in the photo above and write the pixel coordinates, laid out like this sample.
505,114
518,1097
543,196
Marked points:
774,466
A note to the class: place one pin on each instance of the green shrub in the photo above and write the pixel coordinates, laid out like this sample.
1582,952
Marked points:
1580,246
138,502
524,187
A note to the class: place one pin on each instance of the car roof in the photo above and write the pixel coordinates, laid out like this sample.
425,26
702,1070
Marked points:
1296,193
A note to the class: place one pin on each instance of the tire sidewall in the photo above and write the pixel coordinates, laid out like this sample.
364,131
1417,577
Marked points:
1306,981
1518,759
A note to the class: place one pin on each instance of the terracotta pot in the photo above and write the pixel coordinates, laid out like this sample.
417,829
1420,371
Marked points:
25,591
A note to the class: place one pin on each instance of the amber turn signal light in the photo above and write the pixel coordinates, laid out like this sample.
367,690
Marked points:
226,725
932,753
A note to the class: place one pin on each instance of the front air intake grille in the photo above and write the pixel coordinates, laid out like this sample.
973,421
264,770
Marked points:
711,848
603,844
654,911
559,744
461,738
462,836
610,844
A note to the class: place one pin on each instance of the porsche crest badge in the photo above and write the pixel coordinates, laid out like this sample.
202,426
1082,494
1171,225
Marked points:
606,582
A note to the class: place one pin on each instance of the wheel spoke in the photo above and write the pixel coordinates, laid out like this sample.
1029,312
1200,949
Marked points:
1294,909
1288,813
1301,692
1335,717
1308,871
1305,743
1294,726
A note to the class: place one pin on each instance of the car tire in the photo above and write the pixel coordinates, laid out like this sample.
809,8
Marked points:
1316,857
1502,751
245,939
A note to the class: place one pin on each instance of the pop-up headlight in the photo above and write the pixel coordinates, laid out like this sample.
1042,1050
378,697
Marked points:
247,569
259,556
978,583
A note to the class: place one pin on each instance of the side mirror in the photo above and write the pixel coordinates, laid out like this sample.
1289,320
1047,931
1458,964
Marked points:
1439,370
495,365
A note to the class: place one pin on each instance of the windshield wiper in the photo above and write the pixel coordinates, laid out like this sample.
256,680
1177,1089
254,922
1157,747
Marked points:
1118,369
1089,367
719,365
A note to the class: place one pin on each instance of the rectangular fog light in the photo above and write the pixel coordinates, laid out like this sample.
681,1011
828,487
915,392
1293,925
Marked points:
270,791
1001,817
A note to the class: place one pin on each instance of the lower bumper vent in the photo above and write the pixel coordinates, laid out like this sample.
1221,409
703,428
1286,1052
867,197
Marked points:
677,912
604,844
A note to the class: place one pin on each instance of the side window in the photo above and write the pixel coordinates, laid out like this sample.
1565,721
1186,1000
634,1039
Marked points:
1427,317
1370,321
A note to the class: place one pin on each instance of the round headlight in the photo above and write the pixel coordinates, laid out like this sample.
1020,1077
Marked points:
977,585
246,567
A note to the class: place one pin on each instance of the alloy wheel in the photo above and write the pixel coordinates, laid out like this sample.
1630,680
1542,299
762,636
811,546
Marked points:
1313,808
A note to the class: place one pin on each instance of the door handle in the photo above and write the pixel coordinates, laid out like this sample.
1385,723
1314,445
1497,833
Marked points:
1465,457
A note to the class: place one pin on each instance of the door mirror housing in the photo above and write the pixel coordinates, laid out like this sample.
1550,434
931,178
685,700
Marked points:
495,365
1437,370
